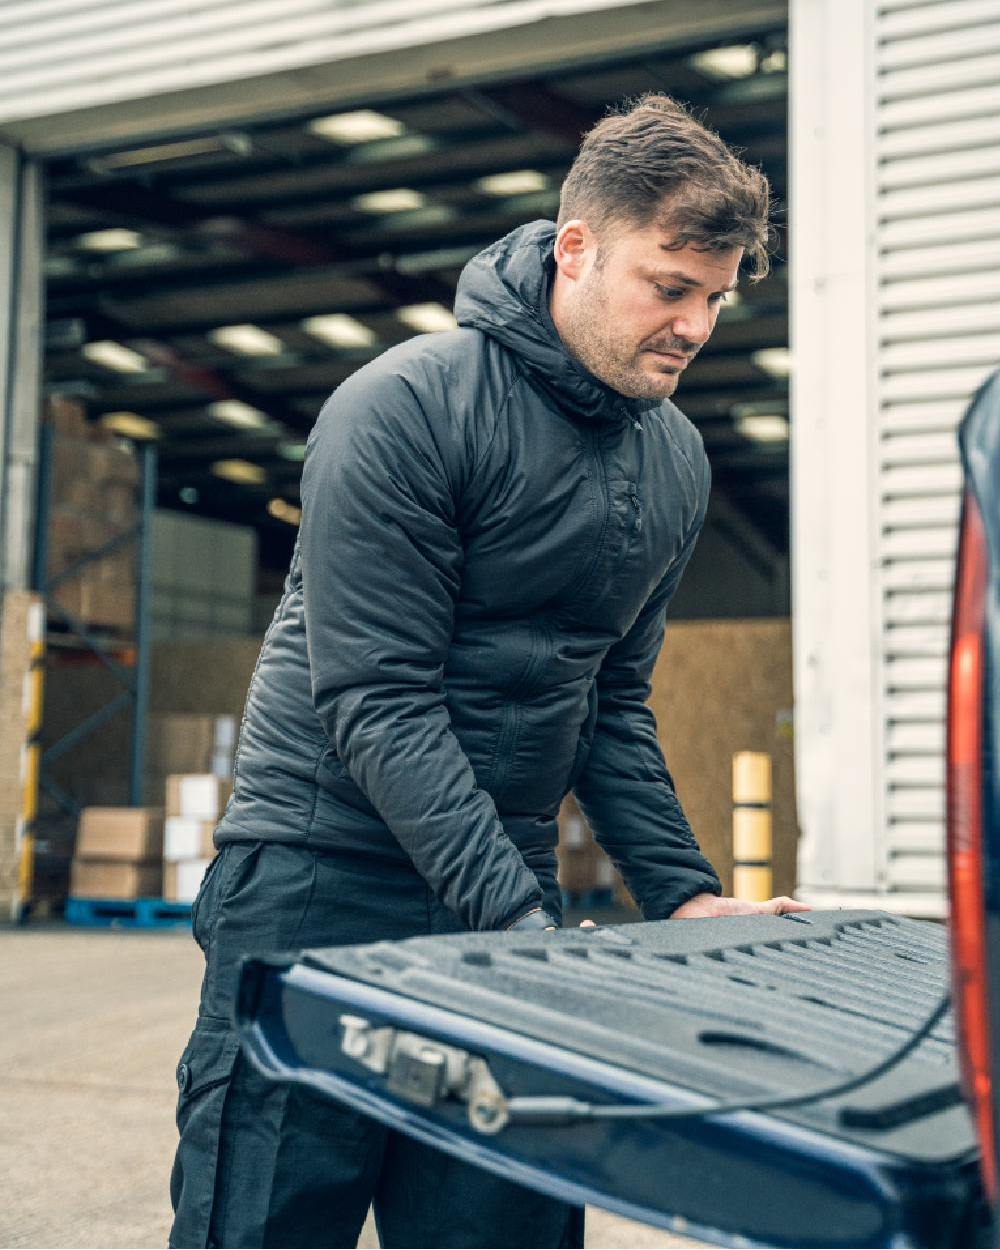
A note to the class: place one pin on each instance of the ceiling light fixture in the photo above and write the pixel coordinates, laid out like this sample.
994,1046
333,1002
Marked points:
732,61
282,510
130,424
240,471
236,412
162,152
776,62
518,182
777,361
763,427
247,340
117,240
340,330
399,200
362,126
115,356
394,149
427,318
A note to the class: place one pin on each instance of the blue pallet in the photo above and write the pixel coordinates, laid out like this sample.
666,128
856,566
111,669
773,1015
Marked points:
131,913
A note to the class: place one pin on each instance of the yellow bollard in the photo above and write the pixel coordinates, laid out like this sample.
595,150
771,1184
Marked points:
752,840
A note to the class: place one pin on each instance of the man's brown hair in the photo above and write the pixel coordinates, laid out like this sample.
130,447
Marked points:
652,163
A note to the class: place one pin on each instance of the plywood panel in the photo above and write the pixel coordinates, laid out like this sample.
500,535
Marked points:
720,687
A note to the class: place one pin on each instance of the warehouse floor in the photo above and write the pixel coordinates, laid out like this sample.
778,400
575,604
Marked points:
93,1025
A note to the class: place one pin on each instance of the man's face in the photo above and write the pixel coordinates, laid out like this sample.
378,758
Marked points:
633,312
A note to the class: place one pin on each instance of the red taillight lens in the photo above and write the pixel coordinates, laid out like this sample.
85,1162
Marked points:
965,828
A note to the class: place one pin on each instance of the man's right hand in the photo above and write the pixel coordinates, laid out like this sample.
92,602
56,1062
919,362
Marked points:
704,905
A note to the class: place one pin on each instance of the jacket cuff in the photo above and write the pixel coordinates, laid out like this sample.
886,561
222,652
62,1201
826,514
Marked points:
533,922
663,904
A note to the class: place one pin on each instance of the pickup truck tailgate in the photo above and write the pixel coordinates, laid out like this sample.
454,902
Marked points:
675,1013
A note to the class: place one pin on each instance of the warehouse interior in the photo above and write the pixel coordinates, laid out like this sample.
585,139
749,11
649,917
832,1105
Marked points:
206,291
209,292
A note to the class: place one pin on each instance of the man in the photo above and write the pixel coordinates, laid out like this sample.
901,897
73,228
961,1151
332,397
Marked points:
494,522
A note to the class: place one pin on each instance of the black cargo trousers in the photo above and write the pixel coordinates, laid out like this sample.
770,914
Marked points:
267,1164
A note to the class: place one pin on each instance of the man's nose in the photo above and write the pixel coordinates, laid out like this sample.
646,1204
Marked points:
694,326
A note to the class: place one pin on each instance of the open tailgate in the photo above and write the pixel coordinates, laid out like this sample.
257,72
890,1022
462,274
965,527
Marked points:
434,1036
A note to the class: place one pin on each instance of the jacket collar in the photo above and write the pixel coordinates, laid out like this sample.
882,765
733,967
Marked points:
504,291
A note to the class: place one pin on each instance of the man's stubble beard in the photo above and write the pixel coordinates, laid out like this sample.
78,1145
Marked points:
587,332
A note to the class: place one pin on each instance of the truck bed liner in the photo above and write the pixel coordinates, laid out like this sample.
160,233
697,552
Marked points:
680,1013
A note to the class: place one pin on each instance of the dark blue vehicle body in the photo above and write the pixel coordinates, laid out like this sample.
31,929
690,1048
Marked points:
684,1015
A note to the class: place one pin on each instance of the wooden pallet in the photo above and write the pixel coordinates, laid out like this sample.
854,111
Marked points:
132,913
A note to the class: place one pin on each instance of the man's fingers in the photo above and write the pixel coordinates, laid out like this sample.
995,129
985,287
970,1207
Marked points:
785,904
587,924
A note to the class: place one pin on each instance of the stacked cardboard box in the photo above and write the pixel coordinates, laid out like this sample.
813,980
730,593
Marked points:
118,853
583,866
181,743
92,497
19,621
194,804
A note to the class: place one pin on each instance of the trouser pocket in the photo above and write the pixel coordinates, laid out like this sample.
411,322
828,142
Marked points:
198,926
203,1076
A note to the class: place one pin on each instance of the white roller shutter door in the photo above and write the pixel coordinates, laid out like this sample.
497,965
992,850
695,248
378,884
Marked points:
937,207
77,73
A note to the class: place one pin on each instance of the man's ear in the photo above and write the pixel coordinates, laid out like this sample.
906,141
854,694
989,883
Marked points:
573,247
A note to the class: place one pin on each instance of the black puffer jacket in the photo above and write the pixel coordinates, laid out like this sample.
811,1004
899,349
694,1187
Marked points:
489,541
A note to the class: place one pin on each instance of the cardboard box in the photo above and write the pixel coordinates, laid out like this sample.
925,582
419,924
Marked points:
190,743
113,464
182,879
102,878
184,838
95,602
66,416
67,537
120,833
198,796
71,483
622,896
605,873
118,503
20,619
578,869
573,829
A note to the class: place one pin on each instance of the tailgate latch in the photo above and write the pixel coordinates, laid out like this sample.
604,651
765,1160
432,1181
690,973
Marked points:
425,1072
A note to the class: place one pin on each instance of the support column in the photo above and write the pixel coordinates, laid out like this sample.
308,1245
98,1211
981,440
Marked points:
22,234
834,350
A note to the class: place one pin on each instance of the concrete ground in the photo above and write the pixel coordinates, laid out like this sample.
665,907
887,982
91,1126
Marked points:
94,1022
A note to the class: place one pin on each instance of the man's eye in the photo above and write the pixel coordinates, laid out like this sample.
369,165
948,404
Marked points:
671,292
721,298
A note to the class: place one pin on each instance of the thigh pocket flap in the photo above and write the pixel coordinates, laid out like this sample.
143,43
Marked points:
203,1075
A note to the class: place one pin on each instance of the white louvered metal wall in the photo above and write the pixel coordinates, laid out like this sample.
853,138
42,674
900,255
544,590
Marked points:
937,317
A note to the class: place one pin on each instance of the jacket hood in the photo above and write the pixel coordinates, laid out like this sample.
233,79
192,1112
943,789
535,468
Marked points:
504,291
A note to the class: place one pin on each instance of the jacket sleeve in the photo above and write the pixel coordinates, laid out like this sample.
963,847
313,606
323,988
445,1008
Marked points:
381,562
625,790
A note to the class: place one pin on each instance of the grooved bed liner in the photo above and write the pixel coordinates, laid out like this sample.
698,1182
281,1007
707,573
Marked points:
739,1007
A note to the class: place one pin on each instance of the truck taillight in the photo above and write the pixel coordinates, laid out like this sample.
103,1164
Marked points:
965,828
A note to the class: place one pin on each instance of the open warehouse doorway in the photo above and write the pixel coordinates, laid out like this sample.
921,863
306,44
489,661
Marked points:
208,284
